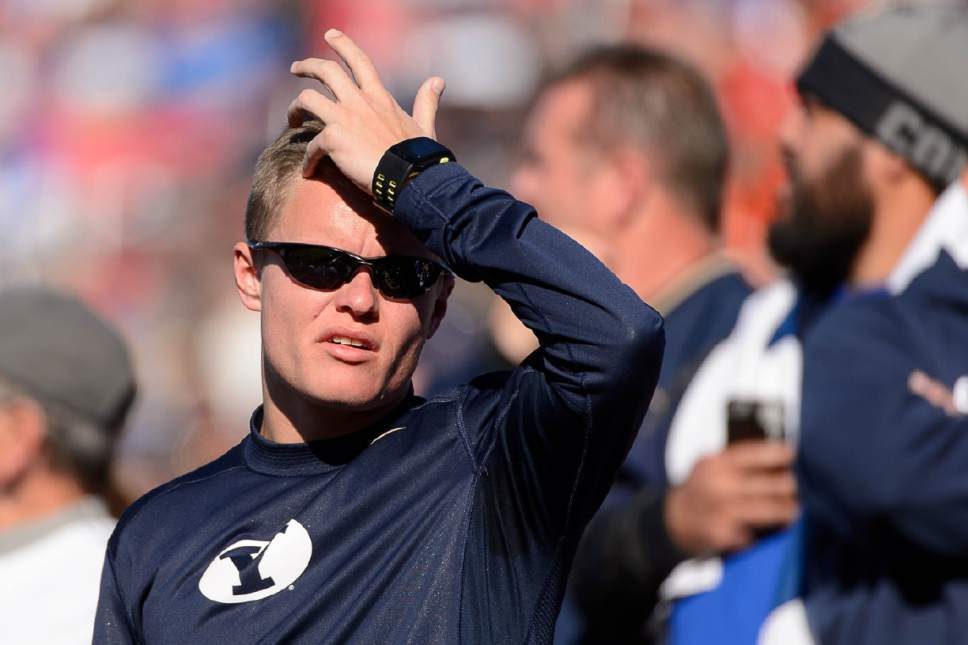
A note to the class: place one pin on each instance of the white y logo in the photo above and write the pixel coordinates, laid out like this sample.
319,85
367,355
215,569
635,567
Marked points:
254,569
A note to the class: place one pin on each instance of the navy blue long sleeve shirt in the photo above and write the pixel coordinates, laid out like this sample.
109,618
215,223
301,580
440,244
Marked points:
883,469
452,520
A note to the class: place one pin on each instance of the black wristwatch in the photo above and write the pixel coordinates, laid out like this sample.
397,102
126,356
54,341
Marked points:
401,163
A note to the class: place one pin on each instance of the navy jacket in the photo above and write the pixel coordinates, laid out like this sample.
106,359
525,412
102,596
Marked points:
884,469
452,520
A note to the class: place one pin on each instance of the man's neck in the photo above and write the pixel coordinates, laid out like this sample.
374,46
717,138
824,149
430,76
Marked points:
897,218
289,417
660,245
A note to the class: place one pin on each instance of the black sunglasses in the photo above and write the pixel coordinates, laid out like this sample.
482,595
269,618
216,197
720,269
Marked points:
326,268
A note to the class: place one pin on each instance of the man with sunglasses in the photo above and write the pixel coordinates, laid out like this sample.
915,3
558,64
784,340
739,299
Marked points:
355,512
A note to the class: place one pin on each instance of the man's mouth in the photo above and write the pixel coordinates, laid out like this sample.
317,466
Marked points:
349,341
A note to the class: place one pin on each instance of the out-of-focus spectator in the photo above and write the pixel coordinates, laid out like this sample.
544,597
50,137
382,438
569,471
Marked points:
861,182
627,144
65,388
884,433
123,135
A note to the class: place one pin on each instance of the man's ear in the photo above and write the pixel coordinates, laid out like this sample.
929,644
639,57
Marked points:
247,277
23,432
444,289
883,166
630,179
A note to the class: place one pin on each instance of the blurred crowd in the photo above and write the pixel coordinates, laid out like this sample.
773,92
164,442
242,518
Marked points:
128,131
741,207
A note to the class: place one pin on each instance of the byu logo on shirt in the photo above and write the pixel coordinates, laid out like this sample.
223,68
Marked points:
250,570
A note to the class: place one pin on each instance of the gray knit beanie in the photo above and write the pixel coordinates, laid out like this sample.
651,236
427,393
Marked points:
901,76
59,352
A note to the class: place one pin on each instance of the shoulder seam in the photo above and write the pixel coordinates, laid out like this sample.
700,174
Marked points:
461,430
472,494
497,423
171,489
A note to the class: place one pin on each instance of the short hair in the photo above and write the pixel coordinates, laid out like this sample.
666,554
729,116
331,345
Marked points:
664,106
276,172
278,165
74,446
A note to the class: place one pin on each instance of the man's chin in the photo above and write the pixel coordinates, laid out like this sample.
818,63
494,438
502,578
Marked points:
351,398
338,388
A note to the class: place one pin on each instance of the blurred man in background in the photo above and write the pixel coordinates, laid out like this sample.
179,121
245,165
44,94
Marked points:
65,388
627,145
877,138
884,445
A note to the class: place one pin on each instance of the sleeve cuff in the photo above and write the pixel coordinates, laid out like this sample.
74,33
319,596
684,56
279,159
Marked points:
423,187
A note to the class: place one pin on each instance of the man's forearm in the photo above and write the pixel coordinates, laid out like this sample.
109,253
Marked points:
598,338
601,344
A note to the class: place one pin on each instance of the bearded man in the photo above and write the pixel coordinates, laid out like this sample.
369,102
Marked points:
884,424
879,134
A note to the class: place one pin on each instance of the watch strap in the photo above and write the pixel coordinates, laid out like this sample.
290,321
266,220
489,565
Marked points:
401,163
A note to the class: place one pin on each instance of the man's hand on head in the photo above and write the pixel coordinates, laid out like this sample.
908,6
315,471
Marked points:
732,496
364,120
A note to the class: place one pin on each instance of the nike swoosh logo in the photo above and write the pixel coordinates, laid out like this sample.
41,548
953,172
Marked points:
388,432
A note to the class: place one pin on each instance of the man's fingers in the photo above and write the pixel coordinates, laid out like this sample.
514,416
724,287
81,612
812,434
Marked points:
311,103
363,119
331,74
356,59
780,484
761,455
315,152
768,513
724,537
426,104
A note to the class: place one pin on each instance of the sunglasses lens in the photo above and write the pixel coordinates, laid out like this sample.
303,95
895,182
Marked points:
322,267
319,267
404,277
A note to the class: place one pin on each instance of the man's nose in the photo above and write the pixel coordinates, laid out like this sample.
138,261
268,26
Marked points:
359,296
790,128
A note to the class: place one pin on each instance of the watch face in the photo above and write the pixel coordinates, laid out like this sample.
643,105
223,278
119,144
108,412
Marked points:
417,149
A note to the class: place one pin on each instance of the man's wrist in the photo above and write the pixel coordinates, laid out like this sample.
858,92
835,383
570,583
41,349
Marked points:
401,163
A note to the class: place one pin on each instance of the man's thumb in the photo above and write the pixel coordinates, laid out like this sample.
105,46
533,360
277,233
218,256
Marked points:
425,105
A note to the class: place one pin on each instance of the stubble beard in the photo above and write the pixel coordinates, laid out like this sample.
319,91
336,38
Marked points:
824,223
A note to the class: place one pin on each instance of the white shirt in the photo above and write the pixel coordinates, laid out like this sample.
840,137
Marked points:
50,571
744,366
